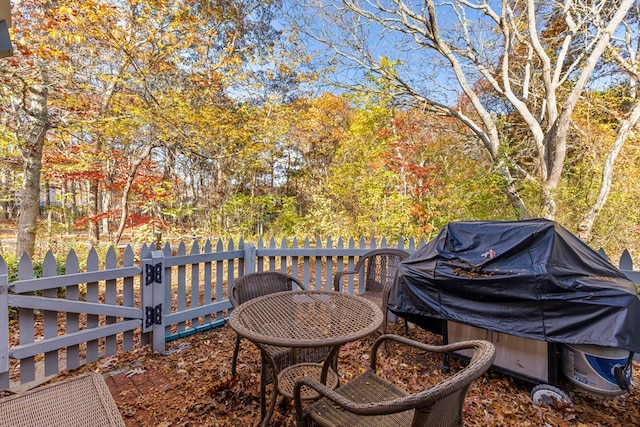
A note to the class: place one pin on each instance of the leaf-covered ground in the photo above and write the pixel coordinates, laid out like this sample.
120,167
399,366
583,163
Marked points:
191,386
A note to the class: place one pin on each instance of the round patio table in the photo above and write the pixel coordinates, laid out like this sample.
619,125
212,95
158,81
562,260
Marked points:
305,319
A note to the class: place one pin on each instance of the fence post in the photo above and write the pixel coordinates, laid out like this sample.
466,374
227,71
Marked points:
153,283
4,330
250,258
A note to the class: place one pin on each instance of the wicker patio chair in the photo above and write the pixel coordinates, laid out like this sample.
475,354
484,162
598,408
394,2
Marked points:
82,401
254,285
379,267
369,400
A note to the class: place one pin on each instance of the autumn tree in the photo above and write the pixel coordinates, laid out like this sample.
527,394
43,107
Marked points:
361,195
321,129
260,195
443,171
536,59
28,86
143,79
199,56
624,51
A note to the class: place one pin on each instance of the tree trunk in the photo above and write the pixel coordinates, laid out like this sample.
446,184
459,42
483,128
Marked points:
93,228
4,195
106,207
124,204
94,185
36,107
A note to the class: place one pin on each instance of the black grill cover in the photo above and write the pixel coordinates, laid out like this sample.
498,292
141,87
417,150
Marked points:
530,278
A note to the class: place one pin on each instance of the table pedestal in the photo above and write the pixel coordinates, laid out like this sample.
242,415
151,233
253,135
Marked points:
288,377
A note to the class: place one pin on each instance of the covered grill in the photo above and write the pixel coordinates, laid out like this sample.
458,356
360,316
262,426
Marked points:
531,279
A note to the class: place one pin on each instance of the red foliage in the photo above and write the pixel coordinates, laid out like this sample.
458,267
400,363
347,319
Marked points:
412,138
81,163
135,219
96,218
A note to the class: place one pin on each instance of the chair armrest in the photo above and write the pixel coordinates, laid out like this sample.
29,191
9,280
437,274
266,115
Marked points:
484,353
338,276
481,348
399,404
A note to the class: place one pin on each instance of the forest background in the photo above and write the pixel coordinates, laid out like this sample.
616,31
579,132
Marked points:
154,121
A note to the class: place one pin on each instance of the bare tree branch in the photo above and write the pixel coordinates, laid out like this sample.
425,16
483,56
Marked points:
537,58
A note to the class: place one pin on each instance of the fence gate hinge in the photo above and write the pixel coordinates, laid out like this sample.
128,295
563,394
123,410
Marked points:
153,315
153,273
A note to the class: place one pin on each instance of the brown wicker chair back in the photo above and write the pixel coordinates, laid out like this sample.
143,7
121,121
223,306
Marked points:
379,267
255,285
80,401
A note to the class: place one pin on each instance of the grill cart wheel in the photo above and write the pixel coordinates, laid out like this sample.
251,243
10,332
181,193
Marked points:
550,395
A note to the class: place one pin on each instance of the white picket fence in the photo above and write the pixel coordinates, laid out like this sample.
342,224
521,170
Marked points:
59,322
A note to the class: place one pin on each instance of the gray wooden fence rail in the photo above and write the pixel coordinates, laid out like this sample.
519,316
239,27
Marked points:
98,309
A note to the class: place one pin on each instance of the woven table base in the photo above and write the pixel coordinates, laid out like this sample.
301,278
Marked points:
288,377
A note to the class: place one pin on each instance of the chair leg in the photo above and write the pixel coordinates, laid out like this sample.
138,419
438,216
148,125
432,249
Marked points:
383,330
234,363
263,392
264,373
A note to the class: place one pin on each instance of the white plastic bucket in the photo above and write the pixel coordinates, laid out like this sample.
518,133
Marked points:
592,367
